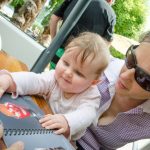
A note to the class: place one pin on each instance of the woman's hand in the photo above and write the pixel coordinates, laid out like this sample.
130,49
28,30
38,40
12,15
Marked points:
57,122
16,146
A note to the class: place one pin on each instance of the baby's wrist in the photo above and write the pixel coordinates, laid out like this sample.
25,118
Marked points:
67,133
9,80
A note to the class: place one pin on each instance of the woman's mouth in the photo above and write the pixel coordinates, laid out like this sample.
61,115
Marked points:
121,85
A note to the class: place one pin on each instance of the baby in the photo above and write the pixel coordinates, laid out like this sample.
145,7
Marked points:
70,88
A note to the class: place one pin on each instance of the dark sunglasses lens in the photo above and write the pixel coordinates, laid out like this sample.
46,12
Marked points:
130,63
142,78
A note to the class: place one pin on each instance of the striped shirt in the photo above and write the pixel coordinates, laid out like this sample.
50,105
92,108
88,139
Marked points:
127,127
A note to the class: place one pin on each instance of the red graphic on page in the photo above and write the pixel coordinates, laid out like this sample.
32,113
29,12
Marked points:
14,110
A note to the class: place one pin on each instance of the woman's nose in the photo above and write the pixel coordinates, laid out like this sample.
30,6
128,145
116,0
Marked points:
128,74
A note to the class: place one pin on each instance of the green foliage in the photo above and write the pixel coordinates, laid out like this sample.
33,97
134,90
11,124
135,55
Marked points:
116,53
52,6
130,17
46,19
17,3
55,3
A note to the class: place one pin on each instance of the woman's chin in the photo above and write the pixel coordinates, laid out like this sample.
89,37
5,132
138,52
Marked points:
119,89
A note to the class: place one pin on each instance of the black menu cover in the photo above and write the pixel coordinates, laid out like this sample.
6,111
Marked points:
21,123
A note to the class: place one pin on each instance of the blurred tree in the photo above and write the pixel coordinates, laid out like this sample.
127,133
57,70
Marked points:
131,16
17,4
53,4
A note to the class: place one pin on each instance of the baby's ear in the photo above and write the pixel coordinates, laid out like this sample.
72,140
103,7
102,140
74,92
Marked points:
94,82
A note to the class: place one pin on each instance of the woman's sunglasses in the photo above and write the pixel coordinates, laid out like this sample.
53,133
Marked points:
141,76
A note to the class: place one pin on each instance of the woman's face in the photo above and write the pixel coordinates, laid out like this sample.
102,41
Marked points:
126,84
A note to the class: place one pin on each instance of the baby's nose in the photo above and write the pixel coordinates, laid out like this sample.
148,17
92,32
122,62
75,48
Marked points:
68,73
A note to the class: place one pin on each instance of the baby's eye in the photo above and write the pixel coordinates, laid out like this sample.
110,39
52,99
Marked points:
80,74
65,63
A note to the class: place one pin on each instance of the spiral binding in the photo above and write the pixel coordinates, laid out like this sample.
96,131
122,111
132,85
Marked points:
26,131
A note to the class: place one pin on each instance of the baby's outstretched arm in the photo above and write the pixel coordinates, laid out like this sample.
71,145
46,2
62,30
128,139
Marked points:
6,83
57,122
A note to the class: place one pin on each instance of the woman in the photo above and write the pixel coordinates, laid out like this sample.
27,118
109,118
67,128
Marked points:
125,105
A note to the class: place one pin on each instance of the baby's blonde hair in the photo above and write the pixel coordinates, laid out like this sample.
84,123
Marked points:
91,44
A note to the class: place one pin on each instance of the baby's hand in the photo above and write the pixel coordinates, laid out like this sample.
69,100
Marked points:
57,122
4,83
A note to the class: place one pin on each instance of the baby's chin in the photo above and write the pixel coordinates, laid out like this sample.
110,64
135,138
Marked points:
70,89
71,92
67,91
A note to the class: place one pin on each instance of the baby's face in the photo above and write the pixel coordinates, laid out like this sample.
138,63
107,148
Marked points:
73,77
